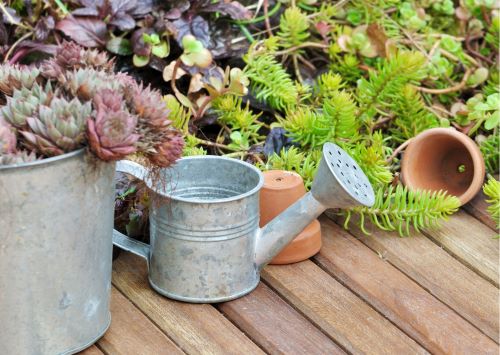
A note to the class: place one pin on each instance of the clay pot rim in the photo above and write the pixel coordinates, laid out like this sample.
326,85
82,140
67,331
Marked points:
267,187
466,141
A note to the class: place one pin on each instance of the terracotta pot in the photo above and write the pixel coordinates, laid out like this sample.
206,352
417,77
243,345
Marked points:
281,189
443,159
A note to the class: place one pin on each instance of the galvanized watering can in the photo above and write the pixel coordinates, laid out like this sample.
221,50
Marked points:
56,222
206,244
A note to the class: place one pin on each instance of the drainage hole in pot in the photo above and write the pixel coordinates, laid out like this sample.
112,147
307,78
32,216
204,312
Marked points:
329,152
338,165
342,173
338,151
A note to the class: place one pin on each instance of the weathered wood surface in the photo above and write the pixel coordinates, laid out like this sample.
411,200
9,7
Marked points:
131,332
438,272
477,207
278,328
470,241
195,328
435,292
337,311
93,350
433,324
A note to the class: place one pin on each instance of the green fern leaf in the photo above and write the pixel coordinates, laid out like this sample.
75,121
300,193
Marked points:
307,127
383,85
492,190
269,81
412,117
398,209
294,28
340,111
490,149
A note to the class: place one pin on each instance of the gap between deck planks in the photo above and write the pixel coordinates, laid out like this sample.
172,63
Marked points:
276,326
449,280
433,324
470,241
195,328
477,208
337,311
132,333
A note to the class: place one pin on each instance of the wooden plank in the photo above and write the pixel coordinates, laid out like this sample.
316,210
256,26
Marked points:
276,326
477,207
195,328
131,332
337,311
471,242
433,324
93,350
439,273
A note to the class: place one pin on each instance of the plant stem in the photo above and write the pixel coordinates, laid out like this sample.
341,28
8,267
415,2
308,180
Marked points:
300,46
16,43
454,88
398,150
214,144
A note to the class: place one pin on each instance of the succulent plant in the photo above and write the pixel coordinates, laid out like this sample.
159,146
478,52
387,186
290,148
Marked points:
78,100
8,139
85,83
70,56
147,104
16,77
168,151
58,128
19,157
111,135
24,102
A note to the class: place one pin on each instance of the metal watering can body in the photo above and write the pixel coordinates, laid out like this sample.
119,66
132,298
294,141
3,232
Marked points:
205,242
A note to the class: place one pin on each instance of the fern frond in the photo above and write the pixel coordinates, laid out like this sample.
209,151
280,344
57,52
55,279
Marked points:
383,85
412,117
294,28
398,209
492,190
490,149
371,158
340,111
191,146
269,81
178,115
328,84
304,164
306,127
230,111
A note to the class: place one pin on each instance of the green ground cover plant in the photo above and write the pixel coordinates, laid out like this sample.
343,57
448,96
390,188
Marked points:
270,81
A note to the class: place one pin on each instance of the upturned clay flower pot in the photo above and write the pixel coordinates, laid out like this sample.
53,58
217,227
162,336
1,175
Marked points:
281,189
443,159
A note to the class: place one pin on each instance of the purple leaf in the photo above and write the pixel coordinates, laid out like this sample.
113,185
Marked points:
43,28
123,21
10,17
276,140
142,8
233,9
92,3
86,11
85,31
138,45
122,5
196,26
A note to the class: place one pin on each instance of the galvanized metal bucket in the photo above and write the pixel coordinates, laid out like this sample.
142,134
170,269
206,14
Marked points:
206,244
56,221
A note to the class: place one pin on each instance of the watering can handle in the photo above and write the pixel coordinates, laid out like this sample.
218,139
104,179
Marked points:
119,239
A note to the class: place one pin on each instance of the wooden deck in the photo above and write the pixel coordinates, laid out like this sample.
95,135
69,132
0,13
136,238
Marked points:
434,292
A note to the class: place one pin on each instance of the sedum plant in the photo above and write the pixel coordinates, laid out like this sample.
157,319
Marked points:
492,190
75,100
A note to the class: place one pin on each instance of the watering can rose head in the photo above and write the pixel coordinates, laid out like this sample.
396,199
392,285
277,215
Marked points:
76,100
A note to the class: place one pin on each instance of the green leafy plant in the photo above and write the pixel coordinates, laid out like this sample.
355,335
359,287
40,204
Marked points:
398,209
492,190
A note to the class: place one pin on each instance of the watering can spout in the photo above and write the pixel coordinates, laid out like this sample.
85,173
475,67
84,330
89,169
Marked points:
339,183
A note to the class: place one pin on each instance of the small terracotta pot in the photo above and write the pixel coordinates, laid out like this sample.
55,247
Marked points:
281,189
443,159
